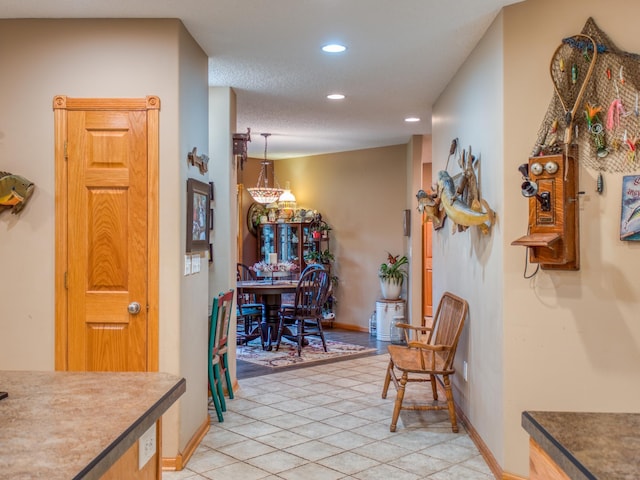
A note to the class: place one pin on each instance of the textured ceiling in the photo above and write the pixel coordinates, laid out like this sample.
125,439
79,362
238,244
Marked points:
401,54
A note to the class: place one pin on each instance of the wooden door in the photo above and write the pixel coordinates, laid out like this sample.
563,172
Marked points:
427,270
111,252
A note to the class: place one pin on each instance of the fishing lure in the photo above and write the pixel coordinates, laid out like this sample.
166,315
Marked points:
614,113
608,74
632,143
600,183
574,73
594,126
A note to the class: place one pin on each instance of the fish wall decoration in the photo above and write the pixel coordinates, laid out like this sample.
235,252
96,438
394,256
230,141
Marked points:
477,215
15,192
458,199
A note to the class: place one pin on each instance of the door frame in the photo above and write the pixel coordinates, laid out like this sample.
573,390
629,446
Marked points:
61,105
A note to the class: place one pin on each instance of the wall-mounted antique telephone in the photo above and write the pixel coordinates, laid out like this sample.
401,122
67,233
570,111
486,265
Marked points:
550,183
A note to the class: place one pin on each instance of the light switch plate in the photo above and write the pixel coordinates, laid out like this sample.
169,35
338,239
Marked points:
187,265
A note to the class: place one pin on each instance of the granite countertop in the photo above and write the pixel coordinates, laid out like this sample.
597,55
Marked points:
73,425
589,445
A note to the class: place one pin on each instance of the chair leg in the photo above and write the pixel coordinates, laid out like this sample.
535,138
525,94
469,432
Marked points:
299,333
398,405
434,388
324,342
214,394
280,331
227,376
217,377
387,380
450,404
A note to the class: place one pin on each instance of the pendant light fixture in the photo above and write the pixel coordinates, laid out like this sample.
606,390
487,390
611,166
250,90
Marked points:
262,192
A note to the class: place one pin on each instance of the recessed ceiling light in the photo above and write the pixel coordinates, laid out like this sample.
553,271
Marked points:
412,119
335,96
334,48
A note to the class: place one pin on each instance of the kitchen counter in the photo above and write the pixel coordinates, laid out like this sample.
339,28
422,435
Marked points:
76,425
588,446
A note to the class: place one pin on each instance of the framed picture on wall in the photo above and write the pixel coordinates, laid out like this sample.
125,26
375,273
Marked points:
630,212
198,216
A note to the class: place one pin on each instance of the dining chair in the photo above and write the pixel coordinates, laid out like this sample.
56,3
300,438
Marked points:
428,354
249,312
215,385
306,313
287,308
218,351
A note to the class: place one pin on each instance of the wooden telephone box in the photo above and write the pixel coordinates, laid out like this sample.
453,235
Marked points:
551,184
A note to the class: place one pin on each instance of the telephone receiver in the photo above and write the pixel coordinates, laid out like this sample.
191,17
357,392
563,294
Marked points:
529,188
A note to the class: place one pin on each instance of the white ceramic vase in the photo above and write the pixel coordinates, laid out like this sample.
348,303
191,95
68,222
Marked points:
390,289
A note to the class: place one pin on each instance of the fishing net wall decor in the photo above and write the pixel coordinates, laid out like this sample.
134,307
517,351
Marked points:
606,123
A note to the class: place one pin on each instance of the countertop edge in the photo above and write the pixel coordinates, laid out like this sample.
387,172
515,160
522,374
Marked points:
556,451
104,460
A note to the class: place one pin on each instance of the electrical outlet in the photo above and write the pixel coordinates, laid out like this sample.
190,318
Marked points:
146,446
465,371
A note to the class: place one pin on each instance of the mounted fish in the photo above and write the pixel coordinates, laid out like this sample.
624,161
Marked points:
15,192
460,213
467,188
429,205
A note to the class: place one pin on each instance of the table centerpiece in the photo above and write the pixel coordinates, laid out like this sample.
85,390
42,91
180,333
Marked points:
274,270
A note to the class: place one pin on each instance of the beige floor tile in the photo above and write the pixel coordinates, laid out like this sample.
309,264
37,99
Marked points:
458,472
246,449
317,430
314,450
346,421
282,439
349,462
312,471
385,472
278,461
347,440
420,464
239,470
254,429
318,413
288,421
381,451
205,460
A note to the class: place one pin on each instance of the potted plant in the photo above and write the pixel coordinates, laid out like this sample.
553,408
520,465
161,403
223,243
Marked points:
392,274
315,256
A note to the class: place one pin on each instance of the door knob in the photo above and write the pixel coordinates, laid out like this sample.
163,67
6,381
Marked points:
134,308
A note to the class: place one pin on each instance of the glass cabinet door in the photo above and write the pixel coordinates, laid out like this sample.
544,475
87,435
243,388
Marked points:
288,243
267,241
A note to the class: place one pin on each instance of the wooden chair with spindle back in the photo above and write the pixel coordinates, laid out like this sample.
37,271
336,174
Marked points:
429,353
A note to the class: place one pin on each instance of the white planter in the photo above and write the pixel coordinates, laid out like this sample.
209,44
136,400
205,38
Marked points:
390,290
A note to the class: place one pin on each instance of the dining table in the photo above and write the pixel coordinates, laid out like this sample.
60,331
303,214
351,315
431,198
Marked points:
270,290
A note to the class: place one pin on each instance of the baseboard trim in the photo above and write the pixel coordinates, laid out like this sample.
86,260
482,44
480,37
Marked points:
493,464
347,326
510,476
179,462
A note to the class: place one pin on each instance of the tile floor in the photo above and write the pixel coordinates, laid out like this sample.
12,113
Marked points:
329,422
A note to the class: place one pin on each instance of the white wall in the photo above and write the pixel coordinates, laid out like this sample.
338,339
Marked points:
99,58
470,264
563,340
571,339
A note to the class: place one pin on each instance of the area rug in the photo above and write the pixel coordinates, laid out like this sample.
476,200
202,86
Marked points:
287,355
